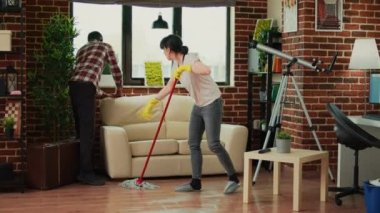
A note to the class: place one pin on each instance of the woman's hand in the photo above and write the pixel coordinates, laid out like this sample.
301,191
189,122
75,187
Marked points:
178,72
146,113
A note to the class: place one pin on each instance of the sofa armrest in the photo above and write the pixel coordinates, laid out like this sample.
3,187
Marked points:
117,152
235,139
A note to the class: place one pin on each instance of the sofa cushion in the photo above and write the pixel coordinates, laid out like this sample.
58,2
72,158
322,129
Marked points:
162,147
179,109
185,150
178,116
144,131
177,130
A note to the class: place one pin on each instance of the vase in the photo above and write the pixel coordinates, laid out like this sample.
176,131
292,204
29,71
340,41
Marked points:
283,145
9,133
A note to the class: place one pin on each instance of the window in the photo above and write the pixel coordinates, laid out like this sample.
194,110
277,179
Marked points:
129,31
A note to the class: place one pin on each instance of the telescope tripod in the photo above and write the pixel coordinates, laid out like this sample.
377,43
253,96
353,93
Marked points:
275,119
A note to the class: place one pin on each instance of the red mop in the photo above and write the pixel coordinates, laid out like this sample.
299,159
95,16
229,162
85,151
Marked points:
139,183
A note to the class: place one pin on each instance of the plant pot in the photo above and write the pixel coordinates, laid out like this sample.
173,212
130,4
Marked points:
51,165
283,145
263,127
9,133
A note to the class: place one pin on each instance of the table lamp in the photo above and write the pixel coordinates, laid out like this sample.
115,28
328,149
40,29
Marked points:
365,56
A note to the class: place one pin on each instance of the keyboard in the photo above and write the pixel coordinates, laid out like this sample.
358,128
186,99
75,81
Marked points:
375,117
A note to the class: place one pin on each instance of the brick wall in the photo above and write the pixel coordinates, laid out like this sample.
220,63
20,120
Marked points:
346,88
341,86
38,11
9,149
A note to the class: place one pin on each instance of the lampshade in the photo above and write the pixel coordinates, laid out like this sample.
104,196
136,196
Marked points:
365,54
160,23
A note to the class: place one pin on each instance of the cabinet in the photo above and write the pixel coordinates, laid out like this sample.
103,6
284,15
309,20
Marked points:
12,98
265,94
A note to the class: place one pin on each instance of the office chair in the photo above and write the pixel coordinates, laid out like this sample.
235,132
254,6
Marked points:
354,137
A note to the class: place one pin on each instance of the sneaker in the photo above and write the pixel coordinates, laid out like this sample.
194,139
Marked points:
91,179
231,187
185,188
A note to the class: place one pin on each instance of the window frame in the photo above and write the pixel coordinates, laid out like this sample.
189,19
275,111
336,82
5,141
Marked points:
177,29
126,60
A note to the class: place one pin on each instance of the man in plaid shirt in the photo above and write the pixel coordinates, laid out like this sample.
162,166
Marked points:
90,62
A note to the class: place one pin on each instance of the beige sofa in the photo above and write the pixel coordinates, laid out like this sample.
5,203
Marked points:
126,139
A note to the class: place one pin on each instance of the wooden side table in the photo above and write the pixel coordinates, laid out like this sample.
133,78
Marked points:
297,157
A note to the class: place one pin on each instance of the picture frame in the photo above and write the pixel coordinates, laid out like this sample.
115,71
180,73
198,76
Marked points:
290,16
262,24
329,15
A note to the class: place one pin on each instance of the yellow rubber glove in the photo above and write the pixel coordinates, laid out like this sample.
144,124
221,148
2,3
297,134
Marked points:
178,72
146,113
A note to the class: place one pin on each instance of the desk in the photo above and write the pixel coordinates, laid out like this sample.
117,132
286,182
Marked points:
367,170
297,157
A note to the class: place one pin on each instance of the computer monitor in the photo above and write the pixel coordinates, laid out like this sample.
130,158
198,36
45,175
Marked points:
374,89
374,95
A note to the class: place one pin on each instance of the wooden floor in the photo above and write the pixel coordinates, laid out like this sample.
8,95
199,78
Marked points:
113,198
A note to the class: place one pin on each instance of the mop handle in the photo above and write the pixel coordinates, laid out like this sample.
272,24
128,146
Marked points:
140,180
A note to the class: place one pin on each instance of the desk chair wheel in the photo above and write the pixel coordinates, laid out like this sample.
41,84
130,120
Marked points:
338,201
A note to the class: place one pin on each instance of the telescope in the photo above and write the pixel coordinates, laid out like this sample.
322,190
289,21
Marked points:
275,117
253,58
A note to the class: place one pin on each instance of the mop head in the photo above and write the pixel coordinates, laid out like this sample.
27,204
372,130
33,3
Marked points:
138,184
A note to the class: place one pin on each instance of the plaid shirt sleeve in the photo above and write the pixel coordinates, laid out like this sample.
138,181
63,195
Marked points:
115,70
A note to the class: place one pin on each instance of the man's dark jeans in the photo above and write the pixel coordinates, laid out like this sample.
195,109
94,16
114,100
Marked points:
83,97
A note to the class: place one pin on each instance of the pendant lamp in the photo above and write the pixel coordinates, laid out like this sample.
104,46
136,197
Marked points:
160,23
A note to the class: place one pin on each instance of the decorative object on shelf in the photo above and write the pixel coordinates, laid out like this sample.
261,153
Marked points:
261,25
277,64
275,88
263,95
11,5
8,123
13,109
329,15
5,40
11,79
263,125
283,141
8,80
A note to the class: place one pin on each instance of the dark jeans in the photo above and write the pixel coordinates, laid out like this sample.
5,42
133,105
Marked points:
209,119
83,96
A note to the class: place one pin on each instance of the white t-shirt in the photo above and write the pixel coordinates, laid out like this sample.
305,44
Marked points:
202,88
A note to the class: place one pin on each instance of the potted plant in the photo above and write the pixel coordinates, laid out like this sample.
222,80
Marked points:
262,38
8,124
263,125
283,141
49,91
